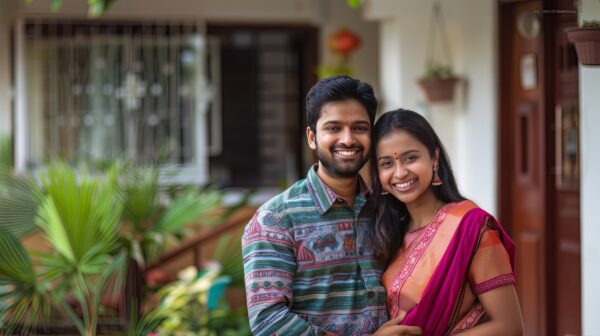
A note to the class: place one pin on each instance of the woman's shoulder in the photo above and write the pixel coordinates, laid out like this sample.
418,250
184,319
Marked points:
461,208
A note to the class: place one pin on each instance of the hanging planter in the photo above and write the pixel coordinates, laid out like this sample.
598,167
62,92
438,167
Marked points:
587,42
439,90
439,80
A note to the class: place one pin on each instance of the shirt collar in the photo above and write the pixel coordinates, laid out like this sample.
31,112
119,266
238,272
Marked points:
324,197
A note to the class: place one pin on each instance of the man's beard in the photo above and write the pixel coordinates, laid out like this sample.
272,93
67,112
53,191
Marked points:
338,169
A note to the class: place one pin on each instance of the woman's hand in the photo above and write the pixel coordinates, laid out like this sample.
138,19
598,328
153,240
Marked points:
393,328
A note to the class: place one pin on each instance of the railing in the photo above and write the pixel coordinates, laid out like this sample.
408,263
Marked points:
241,216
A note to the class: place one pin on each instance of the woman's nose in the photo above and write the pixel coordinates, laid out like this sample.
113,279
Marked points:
399,170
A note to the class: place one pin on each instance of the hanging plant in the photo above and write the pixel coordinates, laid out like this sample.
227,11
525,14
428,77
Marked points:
587,42
439,79
355,3
342,43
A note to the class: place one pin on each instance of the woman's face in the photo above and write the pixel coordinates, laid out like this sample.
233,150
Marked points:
405,166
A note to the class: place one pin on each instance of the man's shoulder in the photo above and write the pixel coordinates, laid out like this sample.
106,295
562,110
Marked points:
290,198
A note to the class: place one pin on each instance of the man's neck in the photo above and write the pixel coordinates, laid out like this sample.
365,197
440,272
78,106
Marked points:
346,188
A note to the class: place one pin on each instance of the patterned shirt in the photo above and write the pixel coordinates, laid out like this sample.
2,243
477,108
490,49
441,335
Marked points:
309,264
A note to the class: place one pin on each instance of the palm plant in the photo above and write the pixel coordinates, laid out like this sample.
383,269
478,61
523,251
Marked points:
5,152
79,217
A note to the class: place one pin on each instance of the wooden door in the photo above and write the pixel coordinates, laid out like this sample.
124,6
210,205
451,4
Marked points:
564,257
539,161
522,154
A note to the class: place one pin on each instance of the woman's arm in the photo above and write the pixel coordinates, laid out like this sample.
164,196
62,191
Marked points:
502,308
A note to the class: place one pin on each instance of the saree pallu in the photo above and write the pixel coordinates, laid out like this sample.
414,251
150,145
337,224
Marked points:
437,274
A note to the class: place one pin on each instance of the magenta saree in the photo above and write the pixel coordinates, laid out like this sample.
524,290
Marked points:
445,298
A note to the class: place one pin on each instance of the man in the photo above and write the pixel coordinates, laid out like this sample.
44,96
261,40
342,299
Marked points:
308,256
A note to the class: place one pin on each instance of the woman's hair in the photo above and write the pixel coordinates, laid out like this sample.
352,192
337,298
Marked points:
391,215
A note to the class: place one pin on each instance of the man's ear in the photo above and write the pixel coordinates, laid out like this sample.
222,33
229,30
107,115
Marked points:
310,136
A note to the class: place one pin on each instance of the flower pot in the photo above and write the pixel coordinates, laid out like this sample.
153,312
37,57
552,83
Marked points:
438,90
587,44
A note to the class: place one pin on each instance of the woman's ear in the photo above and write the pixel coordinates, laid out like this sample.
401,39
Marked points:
436,156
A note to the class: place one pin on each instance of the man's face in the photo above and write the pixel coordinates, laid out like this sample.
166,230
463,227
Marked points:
343,138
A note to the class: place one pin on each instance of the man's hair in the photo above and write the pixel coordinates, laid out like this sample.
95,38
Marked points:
338,88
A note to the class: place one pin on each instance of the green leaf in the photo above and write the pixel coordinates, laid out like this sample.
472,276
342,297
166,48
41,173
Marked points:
354,3
26,302
139,188
55,5
20,198
186,209
6,161
16,264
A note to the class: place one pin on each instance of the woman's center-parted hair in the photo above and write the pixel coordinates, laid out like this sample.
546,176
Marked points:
338,88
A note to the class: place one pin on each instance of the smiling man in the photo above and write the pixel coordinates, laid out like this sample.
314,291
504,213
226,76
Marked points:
308,258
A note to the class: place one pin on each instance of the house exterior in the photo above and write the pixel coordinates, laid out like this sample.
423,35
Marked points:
510,92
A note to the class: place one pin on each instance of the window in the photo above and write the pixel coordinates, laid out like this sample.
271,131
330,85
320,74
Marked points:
99,91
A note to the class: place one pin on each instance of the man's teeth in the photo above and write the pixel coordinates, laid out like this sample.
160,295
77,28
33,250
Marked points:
346,153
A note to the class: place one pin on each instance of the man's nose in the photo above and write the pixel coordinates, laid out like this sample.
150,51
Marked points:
347,138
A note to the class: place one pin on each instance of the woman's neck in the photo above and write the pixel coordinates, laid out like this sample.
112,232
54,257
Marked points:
422,211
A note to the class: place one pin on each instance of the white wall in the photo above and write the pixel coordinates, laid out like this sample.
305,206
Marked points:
589,108
468,127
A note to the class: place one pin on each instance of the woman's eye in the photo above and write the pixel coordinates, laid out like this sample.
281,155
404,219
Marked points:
385,164
410,158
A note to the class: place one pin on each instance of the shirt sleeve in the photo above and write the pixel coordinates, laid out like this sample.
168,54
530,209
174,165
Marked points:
490,268
269,269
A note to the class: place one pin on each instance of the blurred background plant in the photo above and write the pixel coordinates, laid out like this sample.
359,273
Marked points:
342,43
102,230
79,218
194,305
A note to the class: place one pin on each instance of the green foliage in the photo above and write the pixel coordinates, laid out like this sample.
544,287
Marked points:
94,224
157,215
95,7
23,300
590,24
193,305
355,3
20,198
79,216
6,162
435,70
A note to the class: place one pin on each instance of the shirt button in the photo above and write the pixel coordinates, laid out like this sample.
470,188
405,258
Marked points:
361,251
370,294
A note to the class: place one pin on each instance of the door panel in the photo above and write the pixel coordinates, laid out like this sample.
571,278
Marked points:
522,150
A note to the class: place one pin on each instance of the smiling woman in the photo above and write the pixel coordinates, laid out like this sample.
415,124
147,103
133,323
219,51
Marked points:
449,263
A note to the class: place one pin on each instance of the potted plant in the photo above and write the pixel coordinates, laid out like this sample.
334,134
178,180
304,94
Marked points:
438,82
439,79
587,42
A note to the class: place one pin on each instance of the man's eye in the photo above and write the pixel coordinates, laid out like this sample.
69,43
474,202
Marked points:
361,129
333,128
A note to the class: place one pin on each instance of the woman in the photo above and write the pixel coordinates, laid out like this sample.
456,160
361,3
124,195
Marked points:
449,263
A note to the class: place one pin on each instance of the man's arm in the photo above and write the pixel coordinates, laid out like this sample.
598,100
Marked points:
270,267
